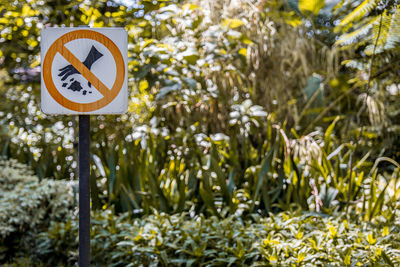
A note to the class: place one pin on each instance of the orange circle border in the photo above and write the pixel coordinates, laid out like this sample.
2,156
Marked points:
59,44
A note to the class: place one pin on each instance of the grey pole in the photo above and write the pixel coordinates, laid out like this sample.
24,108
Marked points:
84,190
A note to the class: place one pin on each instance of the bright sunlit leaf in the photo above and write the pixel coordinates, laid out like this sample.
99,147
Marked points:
311,6
232,23
243,52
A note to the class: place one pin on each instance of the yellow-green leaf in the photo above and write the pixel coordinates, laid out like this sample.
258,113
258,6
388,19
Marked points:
347,258
232,23
247,41
147,42
371,240
19,22
190,6
378,251
272,258
311,6
359,12
293,21
333,231
299,235
301,257
385,231
143,85
243,52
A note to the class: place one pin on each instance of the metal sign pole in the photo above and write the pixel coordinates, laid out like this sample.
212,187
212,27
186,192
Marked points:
108,49
84,190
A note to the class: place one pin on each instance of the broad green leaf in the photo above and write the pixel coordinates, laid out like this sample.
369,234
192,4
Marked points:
311,6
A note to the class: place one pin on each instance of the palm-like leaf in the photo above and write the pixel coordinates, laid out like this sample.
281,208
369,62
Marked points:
393,37
358,13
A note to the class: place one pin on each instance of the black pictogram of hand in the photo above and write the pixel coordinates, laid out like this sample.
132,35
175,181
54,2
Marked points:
69,70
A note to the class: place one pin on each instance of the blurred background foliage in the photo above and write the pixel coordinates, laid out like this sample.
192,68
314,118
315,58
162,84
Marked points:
235,107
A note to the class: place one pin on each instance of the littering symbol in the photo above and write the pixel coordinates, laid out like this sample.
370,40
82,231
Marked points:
69,70
79,71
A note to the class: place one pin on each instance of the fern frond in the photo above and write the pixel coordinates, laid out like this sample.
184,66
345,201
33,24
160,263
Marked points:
338,5
380,31
363,9
358,34
393,38
354,64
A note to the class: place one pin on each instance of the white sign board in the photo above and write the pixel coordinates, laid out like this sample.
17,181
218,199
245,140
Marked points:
84,71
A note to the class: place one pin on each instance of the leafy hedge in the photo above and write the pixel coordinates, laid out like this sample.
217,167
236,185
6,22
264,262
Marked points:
27,206
179,240
38,227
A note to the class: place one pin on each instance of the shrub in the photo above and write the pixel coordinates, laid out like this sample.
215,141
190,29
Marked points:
27,206
284,239
38,227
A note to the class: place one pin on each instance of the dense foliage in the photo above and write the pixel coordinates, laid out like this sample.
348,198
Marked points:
27,207
236,108
244,87
287,239
48,236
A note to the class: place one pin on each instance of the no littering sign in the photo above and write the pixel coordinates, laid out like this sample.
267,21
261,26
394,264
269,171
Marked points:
84,71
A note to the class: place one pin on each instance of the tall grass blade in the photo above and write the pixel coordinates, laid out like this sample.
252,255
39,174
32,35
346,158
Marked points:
265,166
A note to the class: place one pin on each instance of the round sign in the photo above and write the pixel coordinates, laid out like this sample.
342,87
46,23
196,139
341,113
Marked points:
59,47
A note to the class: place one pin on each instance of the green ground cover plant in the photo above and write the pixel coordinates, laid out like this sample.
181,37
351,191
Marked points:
284,239
27,206
44,231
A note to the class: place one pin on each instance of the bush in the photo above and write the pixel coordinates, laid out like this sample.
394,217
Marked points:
38,227
27,206
180,240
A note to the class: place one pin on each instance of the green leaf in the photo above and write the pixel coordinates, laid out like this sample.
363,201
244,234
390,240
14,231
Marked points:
164,91
378,203
266,164
208,199
214,166
311,6
232,23
359,12
393,37
328,135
